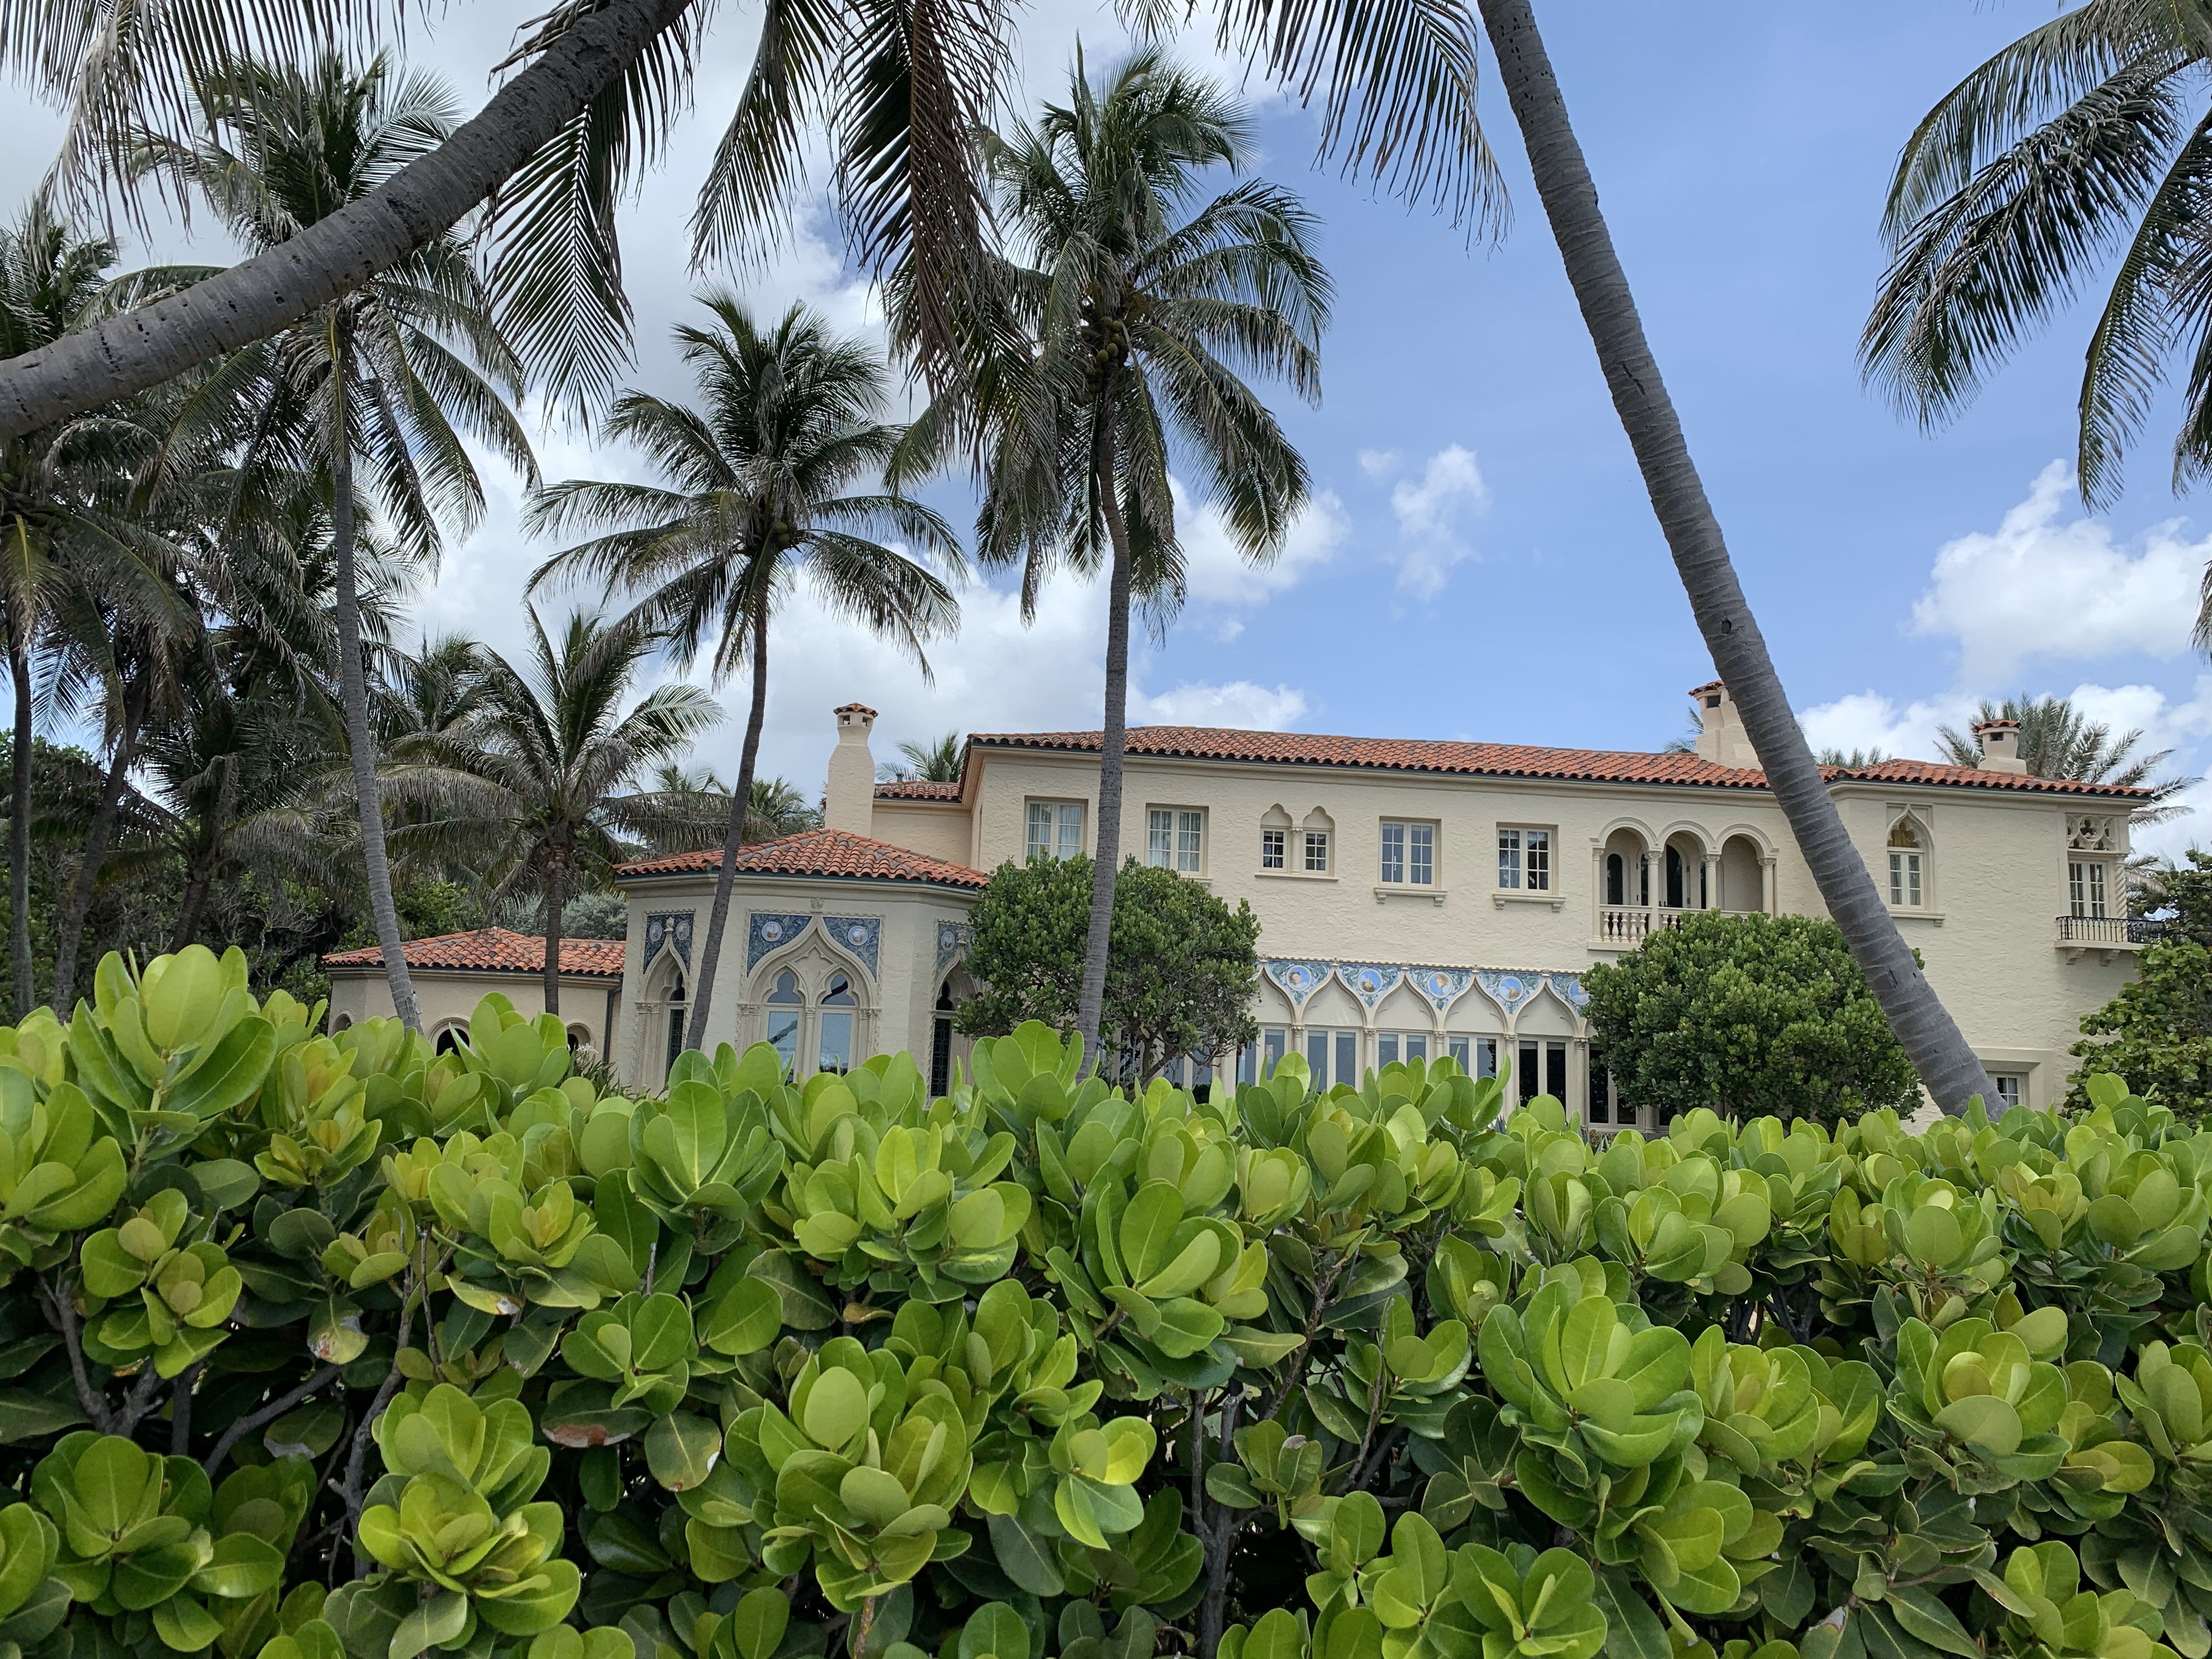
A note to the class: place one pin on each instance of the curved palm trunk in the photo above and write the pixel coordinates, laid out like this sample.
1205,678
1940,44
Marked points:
251,301
19,831
1090,1002
69,927
353,693
551,980
1938,1050
718,917
203,862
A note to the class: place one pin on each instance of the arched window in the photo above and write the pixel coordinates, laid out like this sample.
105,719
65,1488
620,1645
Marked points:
838,1003
1616,879
676,1010
784,1005
340,1023
1674,877
1908,869
448,1040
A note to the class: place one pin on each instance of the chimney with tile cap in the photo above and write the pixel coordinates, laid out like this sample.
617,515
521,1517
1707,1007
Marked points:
851,798
1721,736
1999,742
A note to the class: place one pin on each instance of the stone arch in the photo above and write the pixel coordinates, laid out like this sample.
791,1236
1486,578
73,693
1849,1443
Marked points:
1742,874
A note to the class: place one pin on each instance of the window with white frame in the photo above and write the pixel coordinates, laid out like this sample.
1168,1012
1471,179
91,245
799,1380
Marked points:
1333,1057
1273,846
1409,854
2088,884
1055,828
1316,852
1908,866
1175,838
1477,1057
2012,1089
1391,1047
1524,859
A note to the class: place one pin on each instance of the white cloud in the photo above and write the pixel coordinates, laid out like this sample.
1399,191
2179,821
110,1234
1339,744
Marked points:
1238,704
2046,586
1218,573
1429,511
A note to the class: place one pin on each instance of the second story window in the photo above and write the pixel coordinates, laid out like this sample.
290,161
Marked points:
1908,867
1409,854
2086,882
1055,828
1316,852
1524,860
1176,836
1272,849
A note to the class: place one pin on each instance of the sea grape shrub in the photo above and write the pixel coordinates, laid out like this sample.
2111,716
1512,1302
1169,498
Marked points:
331,1346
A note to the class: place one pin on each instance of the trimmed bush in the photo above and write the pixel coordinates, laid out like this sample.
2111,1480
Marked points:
325,1347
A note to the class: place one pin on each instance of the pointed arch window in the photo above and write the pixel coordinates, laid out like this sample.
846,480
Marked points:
676,1010
1908,866
836,1025
785,1005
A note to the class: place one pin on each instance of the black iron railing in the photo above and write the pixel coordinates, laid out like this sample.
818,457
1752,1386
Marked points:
2108,930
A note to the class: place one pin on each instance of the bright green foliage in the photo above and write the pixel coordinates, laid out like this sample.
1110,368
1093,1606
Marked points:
2156,1035
1748,1014
1045,1368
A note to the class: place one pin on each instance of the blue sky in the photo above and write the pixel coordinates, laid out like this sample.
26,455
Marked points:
1481,560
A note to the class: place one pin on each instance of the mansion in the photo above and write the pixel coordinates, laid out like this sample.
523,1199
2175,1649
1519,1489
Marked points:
1415,898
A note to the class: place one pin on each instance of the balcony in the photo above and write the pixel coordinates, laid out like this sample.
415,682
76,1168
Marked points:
2107,933
1625,926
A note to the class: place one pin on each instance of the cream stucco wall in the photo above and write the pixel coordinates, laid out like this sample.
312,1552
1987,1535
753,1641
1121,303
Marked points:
1995,881
944,829
446,998
813,921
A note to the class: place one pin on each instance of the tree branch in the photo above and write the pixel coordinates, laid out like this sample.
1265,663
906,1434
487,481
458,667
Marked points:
269,1413
64,1314
252,301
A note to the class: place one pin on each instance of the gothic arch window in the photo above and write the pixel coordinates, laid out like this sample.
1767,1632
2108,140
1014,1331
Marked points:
1909,864
678,1010
449,1039
786,1009
833,1024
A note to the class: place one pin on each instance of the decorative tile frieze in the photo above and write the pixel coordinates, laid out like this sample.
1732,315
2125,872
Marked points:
767,931
953,939
1298,981
1369,982
860,935
671,928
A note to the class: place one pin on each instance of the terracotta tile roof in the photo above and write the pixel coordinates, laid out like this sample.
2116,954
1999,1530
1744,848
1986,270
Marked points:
1513,760
917,789
832,852
494,951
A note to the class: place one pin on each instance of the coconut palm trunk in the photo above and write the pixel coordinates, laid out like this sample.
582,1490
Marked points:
69,925
554,901
353,694
256,299
1113,742
19,828
725,874
1939,1051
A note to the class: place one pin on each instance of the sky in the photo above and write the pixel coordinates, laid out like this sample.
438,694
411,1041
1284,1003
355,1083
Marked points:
1478,560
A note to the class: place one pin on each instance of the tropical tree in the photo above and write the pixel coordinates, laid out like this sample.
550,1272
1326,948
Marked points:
76,554
755,503
393,374
897,90
539,790
2083,147
434,691
925,762
1133,314
2057,740
1939,1051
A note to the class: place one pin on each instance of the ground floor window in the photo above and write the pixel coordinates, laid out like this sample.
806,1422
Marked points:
676,1010
940,1046
785,1006
1341,1048
1606,1108
1540,1069
1391,1047
1258,1060
2012,1089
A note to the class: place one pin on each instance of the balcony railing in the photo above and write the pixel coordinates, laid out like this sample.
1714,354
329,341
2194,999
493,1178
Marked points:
1629,924
2109,930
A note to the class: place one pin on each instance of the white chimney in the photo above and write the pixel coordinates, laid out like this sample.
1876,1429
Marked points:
1999,742
851,803
1721,736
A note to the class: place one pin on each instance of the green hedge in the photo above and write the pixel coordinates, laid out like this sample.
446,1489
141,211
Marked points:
323,1348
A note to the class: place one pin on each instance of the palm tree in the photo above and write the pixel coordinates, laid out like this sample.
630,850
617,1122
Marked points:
73,550
1851,758
755,503
2057,740
897,90
541,784
392,373
435,689
1939,1051
1134,315
926,762
2085,143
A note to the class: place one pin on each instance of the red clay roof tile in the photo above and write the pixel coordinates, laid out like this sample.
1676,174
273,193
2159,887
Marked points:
833,853
1515,760
917,789
494,950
